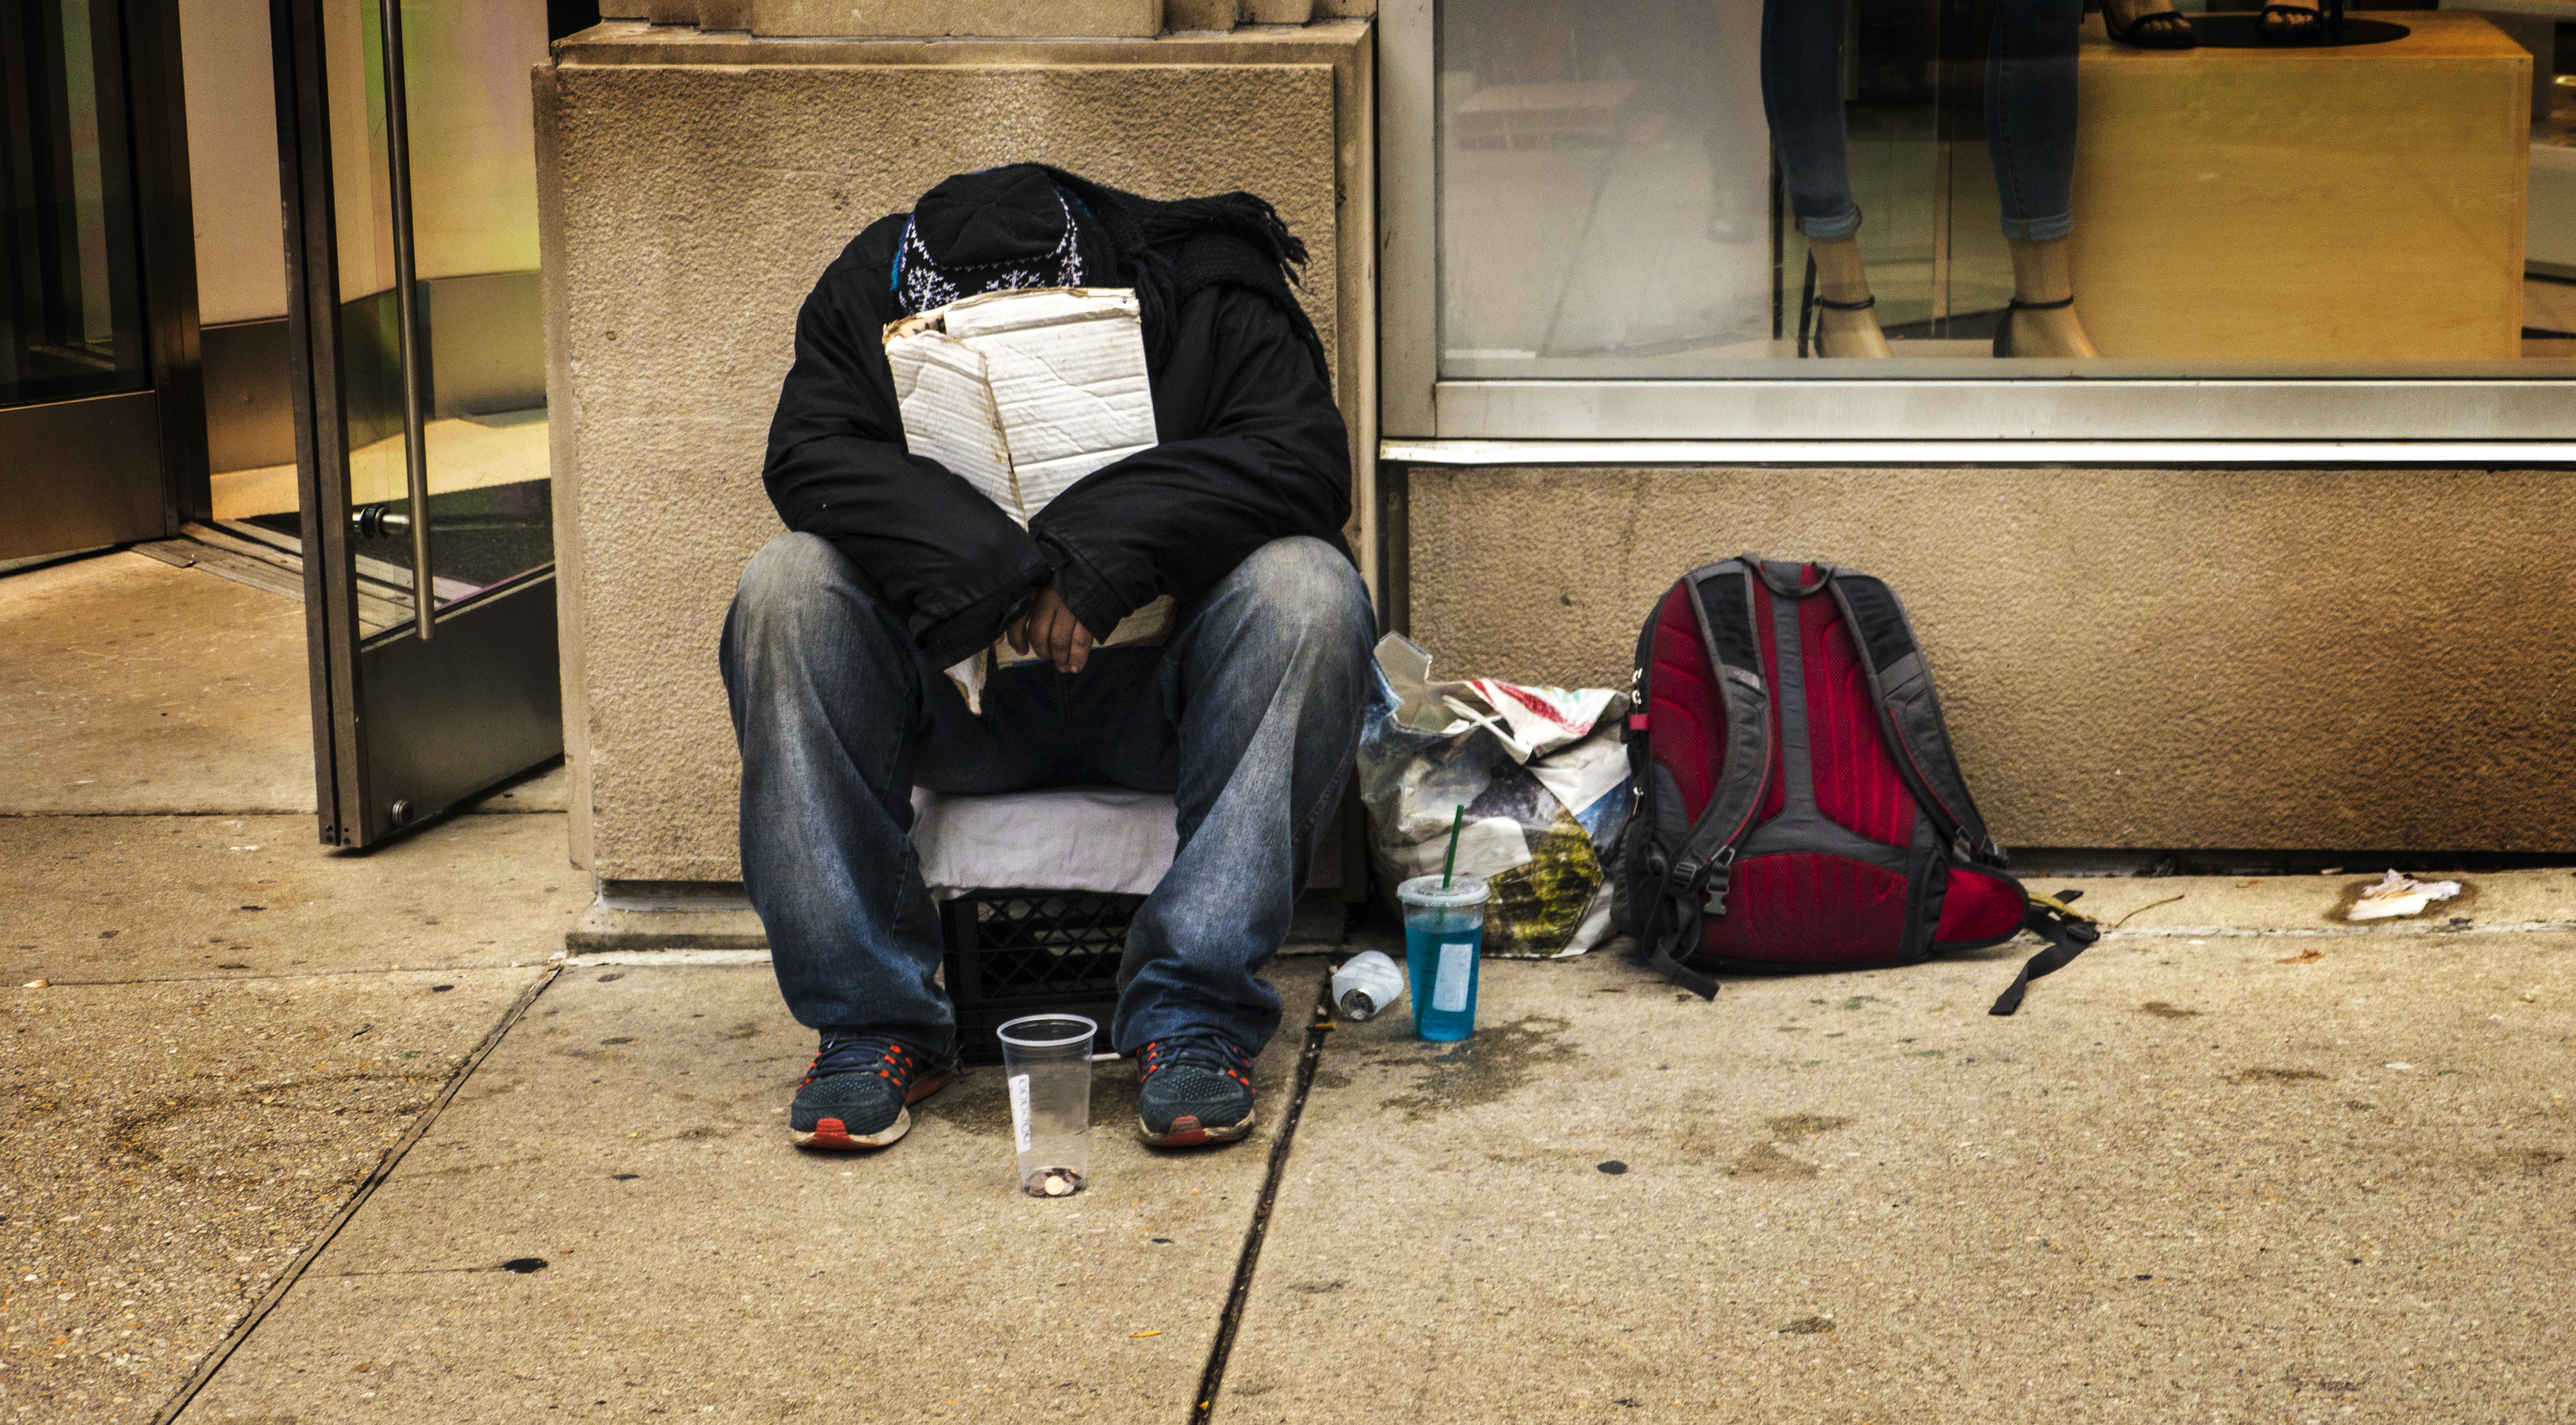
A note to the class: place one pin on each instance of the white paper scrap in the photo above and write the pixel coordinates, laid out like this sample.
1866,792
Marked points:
2397,894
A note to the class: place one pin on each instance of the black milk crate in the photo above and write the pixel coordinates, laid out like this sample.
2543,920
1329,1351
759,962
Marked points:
1017,952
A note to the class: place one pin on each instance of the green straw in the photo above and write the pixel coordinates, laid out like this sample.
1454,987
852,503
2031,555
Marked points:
1450,863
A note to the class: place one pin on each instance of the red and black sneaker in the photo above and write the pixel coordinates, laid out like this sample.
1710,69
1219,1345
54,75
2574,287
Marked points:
856,1092
1196,1090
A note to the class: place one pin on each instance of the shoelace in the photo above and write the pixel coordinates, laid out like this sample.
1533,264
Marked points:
887,1058
1208,1051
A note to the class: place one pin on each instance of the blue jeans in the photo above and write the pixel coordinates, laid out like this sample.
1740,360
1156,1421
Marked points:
2030,113
1248,715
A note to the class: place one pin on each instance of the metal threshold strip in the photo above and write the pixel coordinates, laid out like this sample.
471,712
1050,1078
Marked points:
2446,454
269,560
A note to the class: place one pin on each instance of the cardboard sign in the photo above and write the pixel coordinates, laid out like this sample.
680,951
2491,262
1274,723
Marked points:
1022,394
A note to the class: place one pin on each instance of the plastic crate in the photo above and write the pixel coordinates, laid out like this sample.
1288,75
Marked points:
1016,952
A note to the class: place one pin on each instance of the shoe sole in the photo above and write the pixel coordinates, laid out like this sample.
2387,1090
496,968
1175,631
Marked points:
828,1134
1193,1135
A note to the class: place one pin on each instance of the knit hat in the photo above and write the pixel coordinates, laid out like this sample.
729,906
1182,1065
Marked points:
1028,225
993,231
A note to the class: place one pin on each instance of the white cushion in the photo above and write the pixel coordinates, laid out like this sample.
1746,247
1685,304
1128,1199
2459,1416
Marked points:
1104,839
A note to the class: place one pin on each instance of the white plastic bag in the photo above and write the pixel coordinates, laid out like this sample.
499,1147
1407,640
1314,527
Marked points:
1542,773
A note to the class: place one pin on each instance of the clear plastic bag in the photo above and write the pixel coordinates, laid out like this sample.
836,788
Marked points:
1542,773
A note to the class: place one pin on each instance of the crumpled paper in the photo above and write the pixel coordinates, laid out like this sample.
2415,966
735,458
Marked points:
2398,894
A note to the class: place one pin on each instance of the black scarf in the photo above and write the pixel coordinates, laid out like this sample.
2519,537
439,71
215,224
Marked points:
1028,225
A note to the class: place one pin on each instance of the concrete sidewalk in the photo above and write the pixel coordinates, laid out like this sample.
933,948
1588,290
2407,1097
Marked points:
302,1136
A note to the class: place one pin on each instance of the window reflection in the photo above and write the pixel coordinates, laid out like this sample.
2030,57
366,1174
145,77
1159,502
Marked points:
2396,196
71,320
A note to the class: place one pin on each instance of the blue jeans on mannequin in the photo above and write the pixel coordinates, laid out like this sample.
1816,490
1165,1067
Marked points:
2030,113
1248,715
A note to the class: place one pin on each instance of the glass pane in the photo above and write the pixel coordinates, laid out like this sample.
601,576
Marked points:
474,203
472,158
1634,189
71,316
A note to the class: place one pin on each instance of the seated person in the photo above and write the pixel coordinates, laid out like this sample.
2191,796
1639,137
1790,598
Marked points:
895,568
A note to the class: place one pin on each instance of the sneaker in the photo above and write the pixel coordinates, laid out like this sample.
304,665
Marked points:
1196,1089
856,1091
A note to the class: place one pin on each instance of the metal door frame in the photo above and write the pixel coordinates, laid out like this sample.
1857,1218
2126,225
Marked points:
414,721
69,484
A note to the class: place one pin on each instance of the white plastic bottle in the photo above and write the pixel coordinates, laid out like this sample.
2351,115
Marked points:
1367,984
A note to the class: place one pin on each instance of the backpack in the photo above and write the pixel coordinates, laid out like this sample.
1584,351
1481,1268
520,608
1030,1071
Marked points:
1798,806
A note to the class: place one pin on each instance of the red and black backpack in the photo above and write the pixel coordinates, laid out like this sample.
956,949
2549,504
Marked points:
1798,804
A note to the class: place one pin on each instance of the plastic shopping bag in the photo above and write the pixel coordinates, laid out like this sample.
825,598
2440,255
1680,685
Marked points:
1544,779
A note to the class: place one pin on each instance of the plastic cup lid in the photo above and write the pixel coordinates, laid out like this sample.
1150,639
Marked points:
1425,890
1047,1031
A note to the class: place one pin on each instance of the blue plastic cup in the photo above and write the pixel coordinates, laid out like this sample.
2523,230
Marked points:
1444,937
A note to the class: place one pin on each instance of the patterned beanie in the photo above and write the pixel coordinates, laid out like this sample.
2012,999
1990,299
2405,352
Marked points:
993,231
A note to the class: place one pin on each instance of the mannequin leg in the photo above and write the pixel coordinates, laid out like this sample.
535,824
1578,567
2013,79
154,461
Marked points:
2030,130
2148,24
2291,19
1802,96
2041,273
1840,278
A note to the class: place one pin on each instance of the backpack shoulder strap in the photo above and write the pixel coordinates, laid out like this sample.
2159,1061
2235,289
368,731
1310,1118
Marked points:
1695,883
1910,712
2067,932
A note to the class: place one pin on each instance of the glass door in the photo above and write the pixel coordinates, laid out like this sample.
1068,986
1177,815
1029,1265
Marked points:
99,407
407,155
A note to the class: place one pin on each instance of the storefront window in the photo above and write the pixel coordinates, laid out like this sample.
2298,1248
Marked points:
1633,190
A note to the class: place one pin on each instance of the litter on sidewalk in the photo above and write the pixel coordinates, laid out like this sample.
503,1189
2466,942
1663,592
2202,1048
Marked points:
1541,772
2399,894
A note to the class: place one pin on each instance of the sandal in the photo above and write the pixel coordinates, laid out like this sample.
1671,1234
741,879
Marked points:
2003,331
2158,29
2310,20
1808,302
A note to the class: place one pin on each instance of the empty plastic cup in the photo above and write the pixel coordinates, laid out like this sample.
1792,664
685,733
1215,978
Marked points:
1444,936
1047,1060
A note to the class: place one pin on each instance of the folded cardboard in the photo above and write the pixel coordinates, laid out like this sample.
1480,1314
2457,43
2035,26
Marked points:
1022,394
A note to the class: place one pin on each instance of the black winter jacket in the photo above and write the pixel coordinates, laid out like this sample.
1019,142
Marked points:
1251,449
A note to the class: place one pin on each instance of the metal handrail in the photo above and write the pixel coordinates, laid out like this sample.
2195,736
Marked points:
406,274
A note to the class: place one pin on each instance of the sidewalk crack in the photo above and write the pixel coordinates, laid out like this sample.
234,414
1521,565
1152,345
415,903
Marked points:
1212,1380
215,1359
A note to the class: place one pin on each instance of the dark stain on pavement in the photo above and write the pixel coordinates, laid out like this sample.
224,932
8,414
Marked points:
1762,1160
2528,1161
1791,1127
144,1135
975,1102
978,1100
1486,1068
2273,1076
2162,1010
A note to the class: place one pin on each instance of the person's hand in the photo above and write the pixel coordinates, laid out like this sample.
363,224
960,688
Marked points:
1050,630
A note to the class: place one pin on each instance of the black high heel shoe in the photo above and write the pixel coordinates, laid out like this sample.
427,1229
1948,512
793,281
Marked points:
1808,302
2161,29
2003,331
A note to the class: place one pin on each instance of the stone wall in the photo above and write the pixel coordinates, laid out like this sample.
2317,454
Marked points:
693,187
2364,659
